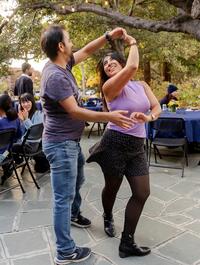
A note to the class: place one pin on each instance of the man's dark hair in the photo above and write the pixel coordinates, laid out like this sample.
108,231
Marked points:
50,39
25,66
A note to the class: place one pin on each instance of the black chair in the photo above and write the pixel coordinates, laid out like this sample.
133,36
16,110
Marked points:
168,132
6,142
100,128
34,133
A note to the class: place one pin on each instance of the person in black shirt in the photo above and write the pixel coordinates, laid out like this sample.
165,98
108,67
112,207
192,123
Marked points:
171,95
24,83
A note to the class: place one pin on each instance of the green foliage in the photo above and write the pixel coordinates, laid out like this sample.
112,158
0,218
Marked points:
20,40
189,92
77,73
3,86
152,10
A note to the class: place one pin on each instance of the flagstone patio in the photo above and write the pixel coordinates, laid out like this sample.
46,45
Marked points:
170,223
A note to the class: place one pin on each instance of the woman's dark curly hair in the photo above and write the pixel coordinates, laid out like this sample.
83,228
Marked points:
7,107
103,77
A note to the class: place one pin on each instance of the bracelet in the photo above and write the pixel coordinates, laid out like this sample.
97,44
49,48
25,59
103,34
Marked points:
133,43
107,36
153,117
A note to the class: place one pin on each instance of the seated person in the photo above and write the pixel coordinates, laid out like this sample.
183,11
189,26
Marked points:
29,115
8,120
171,95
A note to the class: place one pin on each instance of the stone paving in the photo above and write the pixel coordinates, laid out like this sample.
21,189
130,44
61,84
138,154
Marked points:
170,223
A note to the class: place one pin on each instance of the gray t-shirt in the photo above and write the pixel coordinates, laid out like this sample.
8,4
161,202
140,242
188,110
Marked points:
58,84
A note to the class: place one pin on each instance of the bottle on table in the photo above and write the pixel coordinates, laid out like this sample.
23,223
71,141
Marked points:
164,107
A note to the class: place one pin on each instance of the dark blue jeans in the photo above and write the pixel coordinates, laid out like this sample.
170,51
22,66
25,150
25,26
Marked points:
66,162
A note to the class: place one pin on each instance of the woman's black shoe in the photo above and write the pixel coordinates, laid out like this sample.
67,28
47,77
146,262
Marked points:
6,175
109,227
128,247
3,179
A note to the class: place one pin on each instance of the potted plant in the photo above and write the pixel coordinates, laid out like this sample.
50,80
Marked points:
172,105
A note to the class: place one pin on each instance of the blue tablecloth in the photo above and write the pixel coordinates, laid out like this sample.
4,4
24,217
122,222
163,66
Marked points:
192,123
95,108
91,106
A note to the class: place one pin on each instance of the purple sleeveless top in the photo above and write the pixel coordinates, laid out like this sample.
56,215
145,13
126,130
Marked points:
132,98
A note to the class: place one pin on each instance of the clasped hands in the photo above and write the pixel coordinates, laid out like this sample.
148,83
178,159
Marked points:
121,118
139,117
120,33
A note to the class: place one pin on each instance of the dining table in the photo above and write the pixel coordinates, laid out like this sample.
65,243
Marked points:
191,120
94,107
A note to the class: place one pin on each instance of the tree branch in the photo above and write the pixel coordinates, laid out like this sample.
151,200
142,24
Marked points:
185,5
184,23
196,9
7,20
132,7
111,4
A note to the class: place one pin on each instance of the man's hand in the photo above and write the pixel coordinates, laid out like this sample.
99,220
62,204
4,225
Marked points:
139,117
118,33
118,117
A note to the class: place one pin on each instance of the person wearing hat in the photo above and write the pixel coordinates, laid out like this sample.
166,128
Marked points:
171,95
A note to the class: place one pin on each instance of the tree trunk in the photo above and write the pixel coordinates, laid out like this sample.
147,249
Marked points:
83,77
166,72
147,71
196,9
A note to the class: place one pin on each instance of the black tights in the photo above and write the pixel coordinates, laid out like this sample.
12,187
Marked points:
140,192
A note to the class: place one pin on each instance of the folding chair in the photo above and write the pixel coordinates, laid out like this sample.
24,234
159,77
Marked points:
164,133
34,133
99,130
6,142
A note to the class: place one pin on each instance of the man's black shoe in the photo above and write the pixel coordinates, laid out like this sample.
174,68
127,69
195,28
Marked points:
81,221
